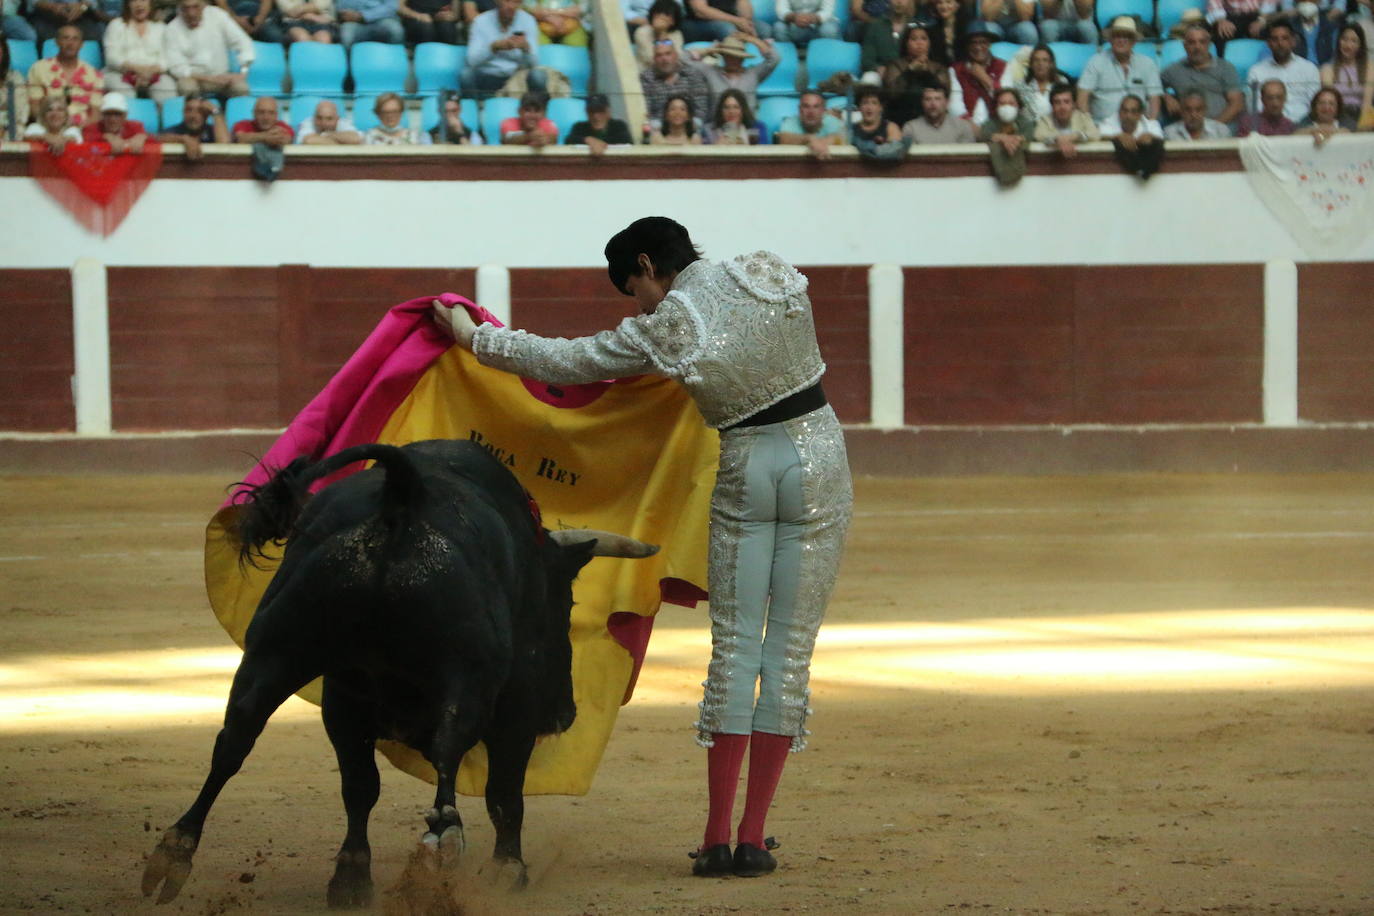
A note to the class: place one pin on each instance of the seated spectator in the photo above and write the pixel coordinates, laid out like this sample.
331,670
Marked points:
196,48
978,73
48,16
54,125
712,20
201,122
1300,77
133,54
1042,75
307,20
952,19
1065,126
678,127
1194,123
1324,118
326,128
1349,73
734,122
1015,19
1270,120
1238,19
13,24
369,20
873,135
502,43
922,64
936,124
451,129
668,77
1008,133
811,127
530,127
799,21
391,129
863,13
664,24
67,76
14,88
731,72
560,22
115,127
1314,34
1137,140
1200,71
600,130
1117,72
430,20
1067,20
637,13
882,39
258,18
264,127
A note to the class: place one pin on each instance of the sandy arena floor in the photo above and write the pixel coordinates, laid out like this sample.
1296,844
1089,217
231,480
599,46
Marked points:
1089,695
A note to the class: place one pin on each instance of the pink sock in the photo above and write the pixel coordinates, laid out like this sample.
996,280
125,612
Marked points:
723,762
767,757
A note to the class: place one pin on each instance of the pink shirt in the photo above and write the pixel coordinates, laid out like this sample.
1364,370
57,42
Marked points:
510,127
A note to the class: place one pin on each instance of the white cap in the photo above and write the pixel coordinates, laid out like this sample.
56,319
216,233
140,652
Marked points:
115,102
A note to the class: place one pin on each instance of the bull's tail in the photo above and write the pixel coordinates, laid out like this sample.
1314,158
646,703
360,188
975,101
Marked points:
271,510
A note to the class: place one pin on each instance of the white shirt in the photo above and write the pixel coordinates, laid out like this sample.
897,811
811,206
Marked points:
37,131
124,47
307,128
1299,75
204,50
1112,128
1211,130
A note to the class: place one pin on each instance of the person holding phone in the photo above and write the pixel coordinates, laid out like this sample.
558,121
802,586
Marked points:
500,45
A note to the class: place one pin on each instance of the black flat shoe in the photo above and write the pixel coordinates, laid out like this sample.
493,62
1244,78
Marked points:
714,862
753,862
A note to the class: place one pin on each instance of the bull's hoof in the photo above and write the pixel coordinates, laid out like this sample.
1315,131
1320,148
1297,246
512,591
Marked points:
351,886
507,874
170,864
443,852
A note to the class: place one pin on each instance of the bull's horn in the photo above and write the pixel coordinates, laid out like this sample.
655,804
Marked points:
607,544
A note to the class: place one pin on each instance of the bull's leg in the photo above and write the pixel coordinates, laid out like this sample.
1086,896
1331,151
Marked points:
508,754
350,723
460,725
261,684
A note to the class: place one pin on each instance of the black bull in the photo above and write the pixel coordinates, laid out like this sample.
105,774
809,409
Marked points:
435,607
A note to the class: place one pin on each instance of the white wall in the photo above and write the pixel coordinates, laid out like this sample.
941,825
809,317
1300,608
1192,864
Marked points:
1088,219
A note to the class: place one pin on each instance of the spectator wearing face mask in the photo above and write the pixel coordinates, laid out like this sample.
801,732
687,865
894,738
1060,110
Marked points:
1008,133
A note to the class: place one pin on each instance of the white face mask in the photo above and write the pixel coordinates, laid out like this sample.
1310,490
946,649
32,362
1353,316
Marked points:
1007,113
1308,10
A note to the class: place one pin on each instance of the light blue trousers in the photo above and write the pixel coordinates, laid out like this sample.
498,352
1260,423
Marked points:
779,514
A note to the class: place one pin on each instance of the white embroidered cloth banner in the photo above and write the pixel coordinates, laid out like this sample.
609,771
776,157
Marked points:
1323,195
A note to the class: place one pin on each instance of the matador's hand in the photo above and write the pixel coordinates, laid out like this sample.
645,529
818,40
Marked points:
456,322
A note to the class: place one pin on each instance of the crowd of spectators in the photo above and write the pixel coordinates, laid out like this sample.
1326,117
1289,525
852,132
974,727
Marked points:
927,74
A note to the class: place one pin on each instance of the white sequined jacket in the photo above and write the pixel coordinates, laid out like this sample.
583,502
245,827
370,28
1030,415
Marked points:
738,334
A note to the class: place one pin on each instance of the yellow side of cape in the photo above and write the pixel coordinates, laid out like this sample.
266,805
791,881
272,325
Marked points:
637,460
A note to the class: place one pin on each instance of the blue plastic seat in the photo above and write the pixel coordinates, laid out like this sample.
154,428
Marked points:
495,110
172,110
783,79
23,54
437,66
239,108
1107,10
774,108
1071,56
363,115
1005,50
429,112
145,112
317,68
90,52
1169,13
1244,53
828,56
565,113
574,63
378,67
268,69
766,11
302,107
1170,52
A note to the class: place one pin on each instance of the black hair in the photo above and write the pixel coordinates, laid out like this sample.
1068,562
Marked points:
535,98
863,92
938,52
665,241
1059,88
746,113
1279,24
4,55
668,8
690,127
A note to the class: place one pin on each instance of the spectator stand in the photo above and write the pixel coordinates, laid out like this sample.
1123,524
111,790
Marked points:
1171,52
1143,11
1169,13
437,66
429,113
378,67
783,79
317,68
1244,53
827,56
145,111
565,113
23,54
574,63
495,110
267,73
1071,57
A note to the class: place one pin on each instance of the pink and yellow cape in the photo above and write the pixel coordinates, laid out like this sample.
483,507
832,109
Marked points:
630,456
